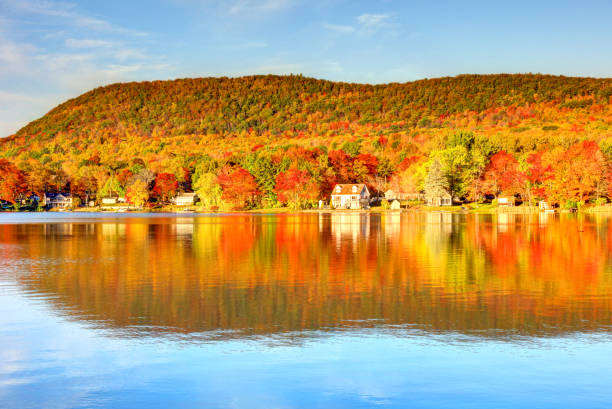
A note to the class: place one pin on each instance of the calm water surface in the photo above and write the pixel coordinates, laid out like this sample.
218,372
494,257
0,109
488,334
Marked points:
305,311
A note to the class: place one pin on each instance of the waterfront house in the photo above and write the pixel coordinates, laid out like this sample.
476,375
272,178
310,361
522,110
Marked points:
350,196
506,201
185,199
113,200
546,207
395,205
443,200
58,200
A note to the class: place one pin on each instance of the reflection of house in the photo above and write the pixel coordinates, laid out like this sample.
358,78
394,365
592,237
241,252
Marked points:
58,200
351,226
504,220
185,199
443,200
506,201
353,196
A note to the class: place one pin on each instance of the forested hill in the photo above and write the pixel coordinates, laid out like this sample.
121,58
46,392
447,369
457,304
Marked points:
285,103
286,140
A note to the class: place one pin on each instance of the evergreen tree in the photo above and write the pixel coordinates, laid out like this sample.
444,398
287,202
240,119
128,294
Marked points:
436,183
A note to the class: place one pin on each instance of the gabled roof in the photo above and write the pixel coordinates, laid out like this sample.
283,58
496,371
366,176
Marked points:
347,189
58,196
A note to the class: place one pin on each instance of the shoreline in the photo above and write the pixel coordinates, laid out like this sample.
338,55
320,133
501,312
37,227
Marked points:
486,209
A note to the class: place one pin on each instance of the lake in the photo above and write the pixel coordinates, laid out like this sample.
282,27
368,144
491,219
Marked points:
338,310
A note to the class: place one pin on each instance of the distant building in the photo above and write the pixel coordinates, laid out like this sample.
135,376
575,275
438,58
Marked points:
399,195
506,201
186,199
351,196
395,205
442,200
58,200
544,206
113,200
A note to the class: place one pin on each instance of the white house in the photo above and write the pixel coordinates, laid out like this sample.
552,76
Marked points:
506,201
113,200
58,200
350,196
185,199
443,200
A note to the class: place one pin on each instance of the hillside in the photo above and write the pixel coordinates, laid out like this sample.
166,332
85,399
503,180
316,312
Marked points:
169,126
278,104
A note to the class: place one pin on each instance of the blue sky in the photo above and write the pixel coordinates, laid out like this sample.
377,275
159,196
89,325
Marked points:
53,50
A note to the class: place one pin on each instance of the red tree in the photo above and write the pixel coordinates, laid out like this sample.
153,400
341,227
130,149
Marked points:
536,175
295,187
165,186
12,182
369,161
502,174
342,164
239,186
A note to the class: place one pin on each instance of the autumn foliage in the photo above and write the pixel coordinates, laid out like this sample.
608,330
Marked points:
239,187
253,141
12,182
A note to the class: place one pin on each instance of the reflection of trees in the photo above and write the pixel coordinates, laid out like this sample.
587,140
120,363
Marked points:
267,274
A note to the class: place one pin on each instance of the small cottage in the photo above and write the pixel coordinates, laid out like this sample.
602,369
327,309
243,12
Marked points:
186,199
506,201
545,207
350,196
113,200
58,200
442,200
395,205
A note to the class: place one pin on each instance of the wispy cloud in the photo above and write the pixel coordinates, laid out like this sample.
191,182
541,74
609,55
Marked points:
66,11
84,53
88,43
372,20
365,24
258,6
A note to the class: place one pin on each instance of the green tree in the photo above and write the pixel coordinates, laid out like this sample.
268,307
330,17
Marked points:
208,190
112,188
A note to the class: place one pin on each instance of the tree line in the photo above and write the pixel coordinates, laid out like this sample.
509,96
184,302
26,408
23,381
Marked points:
464,165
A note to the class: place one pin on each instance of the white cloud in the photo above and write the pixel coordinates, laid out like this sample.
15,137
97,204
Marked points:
258,6
339,28
66,11
34,78
372,21
88,43
365,24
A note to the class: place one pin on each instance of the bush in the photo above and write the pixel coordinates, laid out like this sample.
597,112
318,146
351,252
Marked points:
601,201
385,204
570,204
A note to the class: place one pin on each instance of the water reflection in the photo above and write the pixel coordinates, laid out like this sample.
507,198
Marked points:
487,275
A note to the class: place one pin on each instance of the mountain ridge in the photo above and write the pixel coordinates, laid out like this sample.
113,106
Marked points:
436,96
